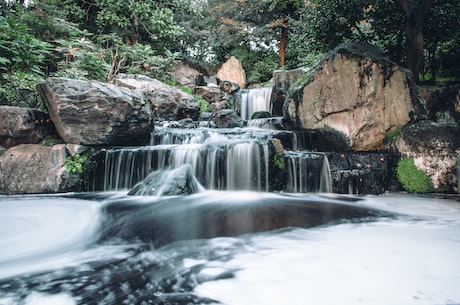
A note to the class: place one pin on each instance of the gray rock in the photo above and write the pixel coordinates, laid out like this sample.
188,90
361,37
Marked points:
23,126
227,118
357,93
95,113
167,103
179,181
434,148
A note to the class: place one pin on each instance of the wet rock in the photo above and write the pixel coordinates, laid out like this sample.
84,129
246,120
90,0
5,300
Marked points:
282,81
232,70
434,148
362,173
23,126
209,93
95,113
357,93
167,103
32,168
172,182
227,118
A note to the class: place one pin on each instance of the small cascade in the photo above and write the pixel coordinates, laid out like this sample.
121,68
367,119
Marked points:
220,161
307,172
253,100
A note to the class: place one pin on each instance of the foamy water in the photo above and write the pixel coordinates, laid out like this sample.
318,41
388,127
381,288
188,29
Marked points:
49,256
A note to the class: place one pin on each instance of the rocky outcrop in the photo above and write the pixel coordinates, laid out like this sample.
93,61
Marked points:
232,70
434,148
356,94
227,118
95,113
167,103
23,126
31,168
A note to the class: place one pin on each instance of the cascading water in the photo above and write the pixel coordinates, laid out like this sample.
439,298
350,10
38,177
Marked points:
253,100
308,172
220,160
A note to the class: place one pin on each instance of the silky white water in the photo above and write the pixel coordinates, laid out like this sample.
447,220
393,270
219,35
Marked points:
373,250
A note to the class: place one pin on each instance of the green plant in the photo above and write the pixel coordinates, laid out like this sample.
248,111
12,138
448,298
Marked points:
51,140
76,163
204,105
279,161
412,179
390,135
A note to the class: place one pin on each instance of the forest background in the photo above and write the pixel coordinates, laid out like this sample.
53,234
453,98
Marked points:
97,39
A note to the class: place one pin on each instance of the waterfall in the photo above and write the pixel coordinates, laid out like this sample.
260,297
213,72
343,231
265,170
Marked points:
307,172
220,161
253,100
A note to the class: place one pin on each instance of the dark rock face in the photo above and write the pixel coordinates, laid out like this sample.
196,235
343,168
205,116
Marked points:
95,113
362,173
227,118
167,103
31,168
23,126
434,148
173,182
357,93
282,81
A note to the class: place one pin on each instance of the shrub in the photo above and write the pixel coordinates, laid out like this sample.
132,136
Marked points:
412,179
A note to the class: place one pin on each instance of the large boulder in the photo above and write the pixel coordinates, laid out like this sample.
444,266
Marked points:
434,148
95,113
168,103
356,94
232,70
23,126
33,168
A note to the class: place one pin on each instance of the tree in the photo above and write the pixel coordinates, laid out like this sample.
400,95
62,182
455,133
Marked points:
414,32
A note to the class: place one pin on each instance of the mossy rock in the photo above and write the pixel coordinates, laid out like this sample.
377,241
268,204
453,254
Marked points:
412,179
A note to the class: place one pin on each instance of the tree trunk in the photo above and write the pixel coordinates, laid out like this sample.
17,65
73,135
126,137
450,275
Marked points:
283,43
414,35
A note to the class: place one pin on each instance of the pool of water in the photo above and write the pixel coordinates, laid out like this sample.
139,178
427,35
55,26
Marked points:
230,248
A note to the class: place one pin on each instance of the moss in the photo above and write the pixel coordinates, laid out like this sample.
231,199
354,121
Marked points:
204,105
412,179
390,135
50,141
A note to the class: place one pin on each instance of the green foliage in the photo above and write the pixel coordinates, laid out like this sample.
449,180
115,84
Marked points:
390,135
412,179
77,163
279,161
204,105
50,141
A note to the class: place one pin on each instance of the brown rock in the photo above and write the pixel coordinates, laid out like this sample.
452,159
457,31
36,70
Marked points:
232,70
357,94
29,168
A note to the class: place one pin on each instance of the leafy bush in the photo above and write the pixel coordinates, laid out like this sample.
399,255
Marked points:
76,164
412,179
